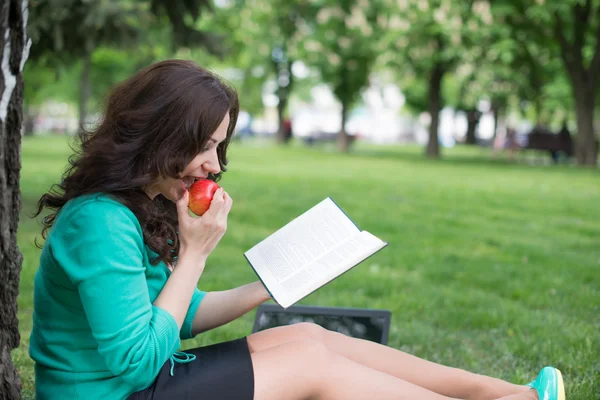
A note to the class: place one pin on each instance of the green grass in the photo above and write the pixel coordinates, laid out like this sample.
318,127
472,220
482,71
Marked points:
492,266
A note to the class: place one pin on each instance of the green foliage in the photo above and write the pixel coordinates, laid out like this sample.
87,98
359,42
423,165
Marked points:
527,59
508,52
342,41
120,36
414,89
70,28
182,16
67,29
242,64
43,82
110,66
491,267
420,36
261,43
570,31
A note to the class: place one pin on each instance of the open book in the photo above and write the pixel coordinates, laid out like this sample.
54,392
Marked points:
309,252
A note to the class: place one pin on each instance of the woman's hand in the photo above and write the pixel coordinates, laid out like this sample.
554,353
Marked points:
200,235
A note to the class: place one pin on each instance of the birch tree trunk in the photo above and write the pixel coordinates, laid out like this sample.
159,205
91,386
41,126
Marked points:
14,45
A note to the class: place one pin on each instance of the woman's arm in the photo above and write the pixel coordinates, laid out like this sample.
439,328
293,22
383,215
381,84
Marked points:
176,295
222,307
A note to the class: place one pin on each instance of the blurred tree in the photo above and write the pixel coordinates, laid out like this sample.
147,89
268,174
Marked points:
428,39
46,79
243,63
183,16
463,90
343,40
262,38
64,31
110,65
500,68
41,81
15,48
534,74
569,30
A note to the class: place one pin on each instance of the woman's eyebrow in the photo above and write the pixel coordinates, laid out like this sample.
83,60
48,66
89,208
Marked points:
212,140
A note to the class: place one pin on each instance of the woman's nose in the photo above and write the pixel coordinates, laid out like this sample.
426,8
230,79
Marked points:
212,164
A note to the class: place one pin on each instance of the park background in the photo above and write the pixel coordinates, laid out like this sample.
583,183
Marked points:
460,132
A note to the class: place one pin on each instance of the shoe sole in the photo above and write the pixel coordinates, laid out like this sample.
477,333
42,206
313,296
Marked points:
561,385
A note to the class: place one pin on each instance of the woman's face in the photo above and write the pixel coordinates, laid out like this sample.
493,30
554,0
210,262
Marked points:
204,163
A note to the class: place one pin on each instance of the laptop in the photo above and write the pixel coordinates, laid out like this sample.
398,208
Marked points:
369,324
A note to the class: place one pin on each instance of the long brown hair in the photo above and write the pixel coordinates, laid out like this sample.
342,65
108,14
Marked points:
154,124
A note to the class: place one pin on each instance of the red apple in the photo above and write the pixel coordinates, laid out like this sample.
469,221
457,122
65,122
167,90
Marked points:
201,194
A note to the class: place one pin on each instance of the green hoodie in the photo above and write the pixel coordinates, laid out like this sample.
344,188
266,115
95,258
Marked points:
96,333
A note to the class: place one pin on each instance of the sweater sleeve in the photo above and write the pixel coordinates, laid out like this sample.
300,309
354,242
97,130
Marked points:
100,248
186,328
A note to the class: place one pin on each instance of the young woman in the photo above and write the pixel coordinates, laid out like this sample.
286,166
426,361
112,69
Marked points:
116,287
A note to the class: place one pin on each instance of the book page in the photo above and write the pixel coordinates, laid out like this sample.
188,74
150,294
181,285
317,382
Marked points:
327,267
305,239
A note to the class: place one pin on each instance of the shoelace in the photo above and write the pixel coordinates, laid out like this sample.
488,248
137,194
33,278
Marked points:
185,358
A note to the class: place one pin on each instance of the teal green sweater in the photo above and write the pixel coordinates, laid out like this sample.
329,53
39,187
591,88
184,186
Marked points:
96,333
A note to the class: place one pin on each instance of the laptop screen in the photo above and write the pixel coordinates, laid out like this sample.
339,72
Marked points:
366,324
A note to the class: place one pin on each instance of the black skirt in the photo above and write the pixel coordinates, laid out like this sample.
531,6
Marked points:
221,371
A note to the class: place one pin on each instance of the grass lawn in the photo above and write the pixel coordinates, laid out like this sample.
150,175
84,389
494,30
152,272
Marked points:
492,266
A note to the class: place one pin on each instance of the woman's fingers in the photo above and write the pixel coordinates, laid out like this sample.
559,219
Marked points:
227,203
216,204
182,205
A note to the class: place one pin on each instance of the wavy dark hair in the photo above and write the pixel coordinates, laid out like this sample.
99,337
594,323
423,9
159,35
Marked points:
154,124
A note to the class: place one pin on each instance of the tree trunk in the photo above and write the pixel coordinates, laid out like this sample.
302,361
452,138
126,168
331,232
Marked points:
497,113
15,49
281,132
343,139
586,152
434,107
29,120
84,89
472,122
584,81
285,80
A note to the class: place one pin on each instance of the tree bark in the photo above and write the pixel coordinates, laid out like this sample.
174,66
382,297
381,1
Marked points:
498,112
84,89
343,96
472,122
281,134
29,116
434,107
343,139
586,152
15,49
283,94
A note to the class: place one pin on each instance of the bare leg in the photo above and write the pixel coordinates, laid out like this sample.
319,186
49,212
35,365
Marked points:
305,369
530,395
447,381
308,370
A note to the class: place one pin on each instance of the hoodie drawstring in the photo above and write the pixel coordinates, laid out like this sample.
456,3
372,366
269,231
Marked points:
180,357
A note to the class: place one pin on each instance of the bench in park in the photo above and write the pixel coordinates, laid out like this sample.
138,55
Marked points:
324,137
555,144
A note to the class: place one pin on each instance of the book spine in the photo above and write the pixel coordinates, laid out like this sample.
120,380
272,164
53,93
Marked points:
342,210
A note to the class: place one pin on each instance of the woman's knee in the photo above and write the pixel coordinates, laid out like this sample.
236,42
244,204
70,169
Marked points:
283,334
312,350
309,360
310,331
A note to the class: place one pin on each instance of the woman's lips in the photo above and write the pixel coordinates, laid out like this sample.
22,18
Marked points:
188,181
